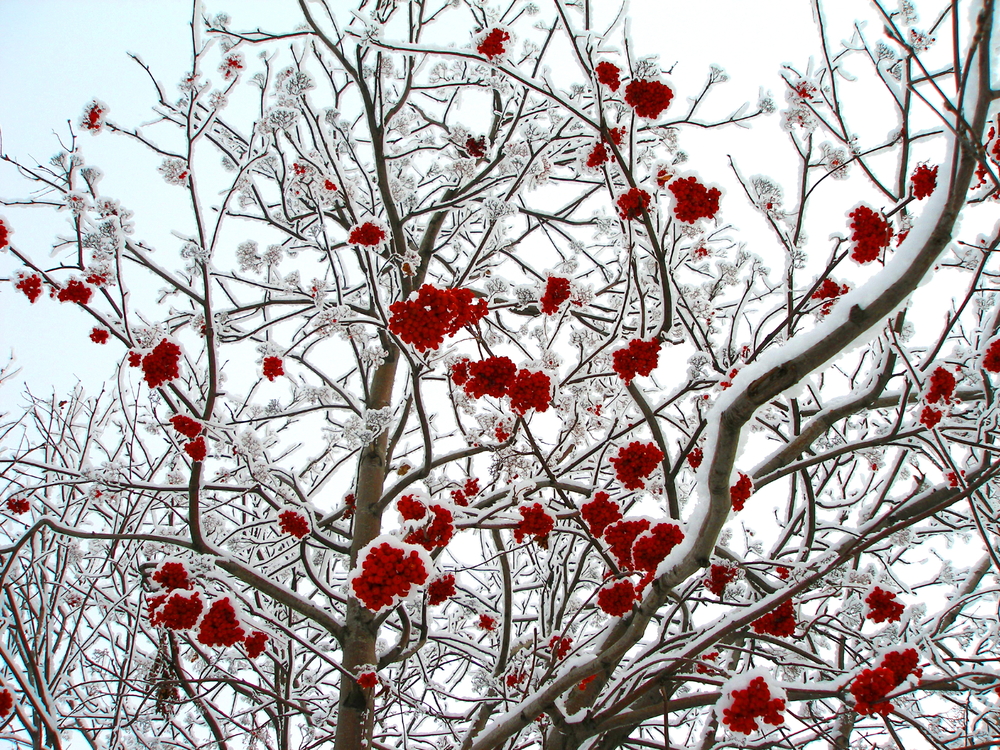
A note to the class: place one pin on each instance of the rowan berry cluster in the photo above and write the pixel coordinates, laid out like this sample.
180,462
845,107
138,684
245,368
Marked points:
178,610
609,74
18,505
410,508
942,386
220,626
31,286
991,359
829,290
441,589
883,606
560,647
469,490
487,623
530,390
779,622
4,234
388,573
635,462
929,417
598,155
556,292
752,703
161,365
720,576
637,358
695,457
294,523
99,335
600,513
648,98
197,449
476,147
740,492
923,180
617,599
172,576
273,368
368,234
255,643
437,532
693,200
93,117
492,45
620,537
367,680
652,547
75,291
6,702
633,204
870,234
434,314
186,426
871,686
534,522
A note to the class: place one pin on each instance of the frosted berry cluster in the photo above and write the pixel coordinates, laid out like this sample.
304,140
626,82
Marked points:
197,449
883,606
410,508
720,576
294,523
100,335
617,599
468,491
499,376
639,357
534,522
4,234
740,492
178,610
437,532
220,626
635,462
18,505
648,98
441,589
368,234
633,204
923,180
870,233
186,426
620,537
161,365
560,647
530,390
693,200
600,513
653,546
695,457
609,74
31,286
991,359
490,377
871,686
828,291
389,571
556,292
6,702
778,622
171,576
941,387
273,368
434,314
75,291
492,45
255,643
750,704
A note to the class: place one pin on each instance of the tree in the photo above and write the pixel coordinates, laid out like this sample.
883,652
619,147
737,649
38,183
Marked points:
433,429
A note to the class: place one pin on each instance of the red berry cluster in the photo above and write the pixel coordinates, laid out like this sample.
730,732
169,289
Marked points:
883,607
4,234
516,677
871,686
870,234
93,117
694,201
695,457
740,492
273,368
635,462
720,576
294,523
530,390
600,513
556,292
637,358
560,647
255,643
534,522
598,155
942,386
367,234
652,548
490,377
633,204
492,44
441,589
617,599
924,180
469,490
929,417
410,508
705,668
367,680
437,533
99,335
648,98
220,626
75,291
487,623
991,359
476,147
18,505
388,572
620,537
31,286
460,371
197,449
160,365
172,576
752,703
434,314
829,290
609,74
6,702
186,426
780,622
179,610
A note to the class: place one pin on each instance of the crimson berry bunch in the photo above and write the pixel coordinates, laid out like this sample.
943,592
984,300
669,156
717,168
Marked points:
942,386
424,321
161,365
255,643
186,426
367,680
6,702
18,505
991,359
620,537
638,357
368,234
652,547
693,200
99,335
388,573
171,576
609,74
600,513
923,180
633,204
492,45
487,623
648,98
779,622
617,599
556,292
490,377
829,290
720,576
220,626
530,390
560,647
469,490
534,522
179,610
883,606
273,368
695,457
752,703
870,234
294,523
197,449
871,686
437,532
740,492
635,462
75,291
410,508
31,286
441,589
